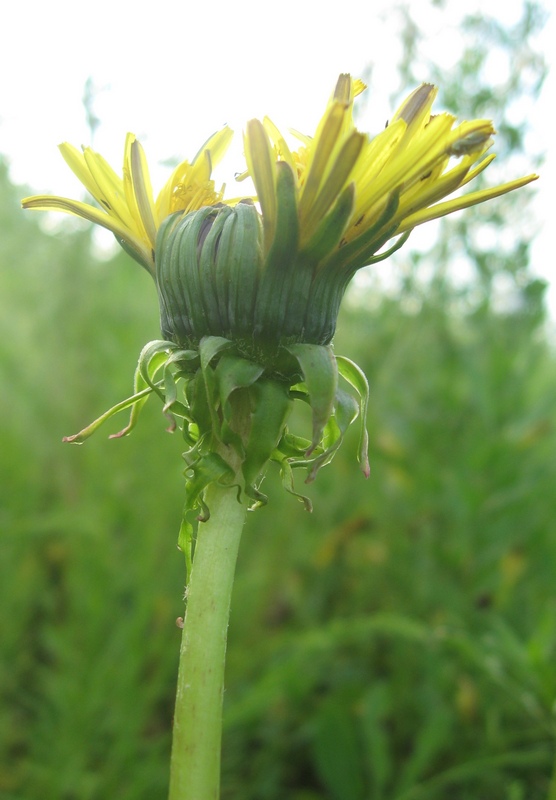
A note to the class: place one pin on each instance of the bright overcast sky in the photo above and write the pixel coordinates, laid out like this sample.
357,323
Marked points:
174,72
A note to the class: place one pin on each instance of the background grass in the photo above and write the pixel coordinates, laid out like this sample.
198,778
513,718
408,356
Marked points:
397,643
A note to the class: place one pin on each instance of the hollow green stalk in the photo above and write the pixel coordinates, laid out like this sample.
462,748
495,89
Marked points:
195,762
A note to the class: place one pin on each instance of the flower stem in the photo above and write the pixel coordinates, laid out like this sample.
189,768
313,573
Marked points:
195,762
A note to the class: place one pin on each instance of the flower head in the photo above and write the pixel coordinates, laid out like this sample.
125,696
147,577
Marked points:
278,273
353,192
249,295
342,195
127,206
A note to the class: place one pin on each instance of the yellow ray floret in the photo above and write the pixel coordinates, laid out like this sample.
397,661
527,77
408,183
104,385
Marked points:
127,206
347,194
398,177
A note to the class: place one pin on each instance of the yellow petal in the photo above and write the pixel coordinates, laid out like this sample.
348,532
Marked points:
217,144
478,169
405,166
415,109
325,142
76,162
85,211
138,190
111,187
281,147
471,199
335,182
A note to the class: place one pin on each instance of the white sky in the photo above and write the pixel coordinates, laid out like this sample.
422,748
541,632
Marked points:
175,72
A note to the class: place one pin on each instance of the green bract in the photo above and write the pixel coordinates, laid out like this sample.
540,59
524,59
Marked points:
233,413
244,340
218,275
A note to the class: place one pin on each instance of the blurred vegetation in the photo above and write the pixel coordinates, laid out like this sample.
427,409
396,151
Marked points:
397,644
